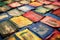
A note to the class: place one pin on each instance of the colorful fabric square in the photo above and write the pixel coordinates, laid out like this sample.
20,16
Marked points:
51,21
24,1
44,1
6,28
56,3
52,15
57,12
4,8
21,21
55,36
15,12
54,7
27,35
35,4
41,29
33,16
4,16
15,4
42,10
7,1
26,8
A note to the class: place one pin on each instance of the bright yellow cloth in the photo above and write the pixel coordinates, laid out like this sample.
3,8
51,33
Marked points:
27,35
21,21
